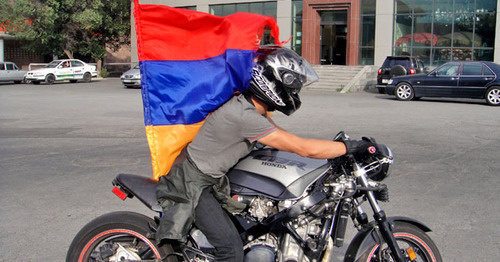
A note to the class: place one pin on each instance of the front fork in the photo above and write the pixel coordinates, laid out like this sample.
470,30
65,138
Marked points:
379,215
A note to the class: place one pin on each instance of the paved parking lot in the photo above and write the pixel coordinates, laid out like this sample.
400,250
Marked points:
61,146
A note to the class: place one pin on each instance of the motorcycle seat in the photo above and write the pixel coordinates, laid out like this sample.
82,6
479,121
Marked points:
143,188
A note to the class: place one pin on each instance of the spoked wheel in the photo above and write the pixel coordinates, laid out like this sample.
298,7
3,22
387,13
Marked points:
416,245
404,92
493,96
119,236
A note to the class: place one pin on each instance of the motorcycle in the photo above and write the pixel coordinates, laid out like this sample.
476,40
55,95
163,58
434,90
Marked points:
297,210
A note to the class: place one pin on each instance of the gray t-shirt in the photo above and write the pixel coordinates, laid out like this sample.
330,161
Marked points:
227,135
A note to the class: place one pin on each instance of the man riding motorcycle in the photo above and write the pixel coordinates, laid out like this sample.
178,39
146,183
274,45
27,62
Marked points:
196,190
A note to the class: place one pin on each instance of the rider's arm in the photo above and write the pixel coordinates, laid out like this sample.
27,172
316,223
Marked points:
307,147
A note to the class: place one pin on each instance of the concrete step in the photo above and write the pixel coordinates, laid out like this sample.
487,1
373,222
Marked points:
337,78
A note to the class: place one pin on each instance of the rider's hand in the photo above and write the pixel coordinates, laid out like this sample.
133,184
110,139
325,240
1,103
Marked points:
360,147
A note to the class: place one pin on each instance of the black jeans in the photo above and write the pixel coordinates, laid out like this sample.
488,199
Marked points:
220,231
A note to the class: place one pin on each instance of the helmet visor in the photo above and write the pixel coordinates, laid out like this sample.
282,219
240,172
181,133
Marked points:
293,69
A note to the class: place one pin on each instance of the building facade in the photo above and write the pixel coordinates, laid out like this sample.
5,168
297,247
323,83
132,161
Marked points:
364,32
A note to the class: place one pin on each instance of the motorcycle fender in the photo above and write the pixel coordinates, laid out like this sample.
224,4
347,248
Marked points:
367,238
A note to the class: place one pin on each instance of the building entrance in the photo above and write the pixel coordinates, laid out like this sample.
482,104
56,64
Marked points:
333,38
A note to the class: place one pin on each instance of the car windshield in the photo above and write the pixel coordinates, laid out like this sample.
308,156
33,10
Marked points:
137,67
53,64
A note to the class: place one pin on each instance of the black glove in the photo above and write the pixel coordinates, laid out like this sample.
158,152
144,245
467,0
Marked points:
359,147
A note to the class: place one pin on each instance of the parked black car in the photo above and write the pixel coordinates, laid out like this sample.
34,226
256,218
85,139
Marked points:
459,79
398,66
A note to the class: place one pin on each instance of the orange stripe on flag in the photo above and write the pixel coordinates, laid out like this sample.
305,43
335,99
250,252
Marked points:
166,143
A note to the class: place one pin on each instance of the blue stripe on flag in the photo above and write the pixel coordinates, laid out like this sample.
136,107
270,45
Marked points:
185,92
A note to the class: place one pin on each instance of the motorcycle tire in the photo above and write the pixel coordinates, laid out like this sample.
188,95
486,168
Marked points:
118,236
407,236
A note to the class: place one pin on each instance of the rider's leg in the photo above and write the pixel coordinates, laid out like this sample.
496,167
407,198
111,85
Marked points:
220,231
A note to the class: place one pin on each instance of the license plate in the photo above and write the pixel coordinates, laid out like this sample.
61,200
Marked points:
127,81
385,81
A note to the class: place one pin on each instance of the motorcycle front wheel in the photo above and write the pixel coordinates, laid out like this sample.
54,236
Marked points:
118,236
414,242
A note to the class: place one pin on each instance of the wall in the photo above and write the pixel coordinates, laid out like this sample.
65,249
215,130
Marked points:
383,29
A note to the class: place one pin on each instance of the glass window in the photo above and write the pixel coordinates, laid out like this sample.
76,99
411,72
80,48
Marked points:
76,63
228,9
472,69
368,7
270,9
441,56
367,30
264,8
461,54
9,66
297,26
402,31
216,10
464,6
2,66
403,6
422,28
367,56
443,6
423,54
485,30
423,6
450,69
486,6
242,8
443,24
483,54
188,7
255,8
487,71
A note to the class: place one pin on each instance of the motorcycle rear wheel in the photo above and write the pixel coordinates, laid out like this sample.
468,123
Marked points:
118,236
411,239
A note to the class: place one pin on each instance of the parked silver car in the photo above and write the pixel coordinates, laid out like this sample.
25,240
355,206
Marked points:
9,72
132,78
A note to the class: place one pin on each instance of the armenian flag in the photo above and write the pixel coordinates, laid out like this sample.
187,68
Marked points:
191,63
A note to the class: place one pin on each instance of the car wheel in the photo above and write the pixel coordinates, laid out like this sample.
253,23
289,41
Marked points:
404,92
87,77
493,96
50,79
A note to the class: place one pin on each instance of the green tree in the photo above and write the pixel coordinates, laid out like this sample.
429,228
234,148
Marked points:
57,27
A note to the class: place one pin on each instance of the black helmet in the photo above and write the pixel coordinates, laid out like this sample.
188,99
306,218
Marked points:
277,77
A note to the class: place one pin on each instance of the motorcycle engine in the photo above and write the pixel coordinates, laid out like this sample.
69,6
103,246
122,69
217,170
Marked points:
306,227
258,207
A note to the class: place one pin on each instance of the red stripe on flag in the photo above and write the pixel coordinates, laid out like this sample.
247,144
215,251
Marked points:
167,33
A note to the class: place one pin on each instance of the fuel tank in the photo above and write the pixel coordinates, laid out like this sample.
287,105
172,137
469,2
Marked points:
275,174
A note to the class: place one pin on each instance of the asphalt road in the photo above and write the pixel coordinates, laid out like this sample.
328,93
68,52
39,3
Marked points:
61,146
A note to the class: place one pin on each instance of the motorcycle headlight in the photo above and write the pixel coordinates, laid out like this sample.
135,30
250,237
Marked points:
384,170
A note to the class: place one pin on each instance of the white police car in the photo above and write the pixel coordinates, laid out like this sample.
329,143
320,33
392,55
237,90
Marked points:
67,69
